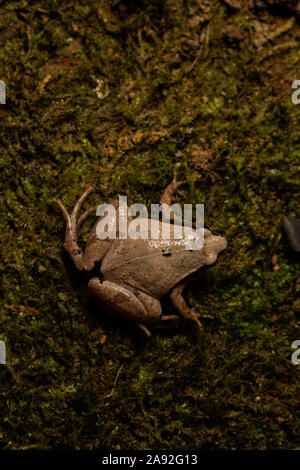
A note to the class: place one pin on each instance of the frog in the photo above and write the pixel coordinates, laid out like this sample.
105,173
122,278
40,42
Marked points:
128,277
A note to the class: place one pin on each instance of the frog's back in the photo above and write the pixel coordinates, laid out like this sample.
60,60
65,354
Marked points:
156,266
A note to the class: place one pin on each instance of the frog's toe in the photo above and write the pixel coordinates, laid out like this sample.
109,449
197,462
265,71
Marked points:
84,216
202,315
145,330
79,202
195,318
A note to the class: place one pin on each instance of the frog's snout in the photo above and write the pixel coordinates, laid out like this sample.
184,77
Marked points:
214,244
220,243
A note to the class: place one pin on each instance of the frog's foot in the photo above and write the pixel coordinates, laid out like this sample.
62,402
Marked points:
70,244
181,306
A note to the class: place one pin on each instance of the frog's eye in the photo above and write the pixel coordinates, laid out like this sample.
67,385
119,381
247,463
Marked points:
166,252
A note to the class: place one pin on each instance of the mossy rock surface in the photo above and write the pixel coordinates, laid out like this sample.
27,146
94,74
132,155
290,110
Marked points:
116,95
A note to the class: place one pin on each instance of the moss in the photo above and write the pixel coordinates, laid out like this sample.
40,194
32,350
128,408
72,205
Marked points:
118,104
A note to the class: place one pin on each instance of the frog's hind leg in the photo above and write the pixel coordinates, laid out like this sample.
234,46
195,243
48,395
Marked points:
72,225
126,302
181,306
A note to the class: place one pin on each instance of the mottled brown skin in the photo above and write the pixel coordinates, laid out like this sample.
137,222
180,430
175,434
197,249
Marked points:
133,274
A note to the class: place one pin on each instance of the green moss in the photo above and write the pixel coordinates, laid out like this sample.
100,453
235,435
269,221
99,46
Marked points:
107,103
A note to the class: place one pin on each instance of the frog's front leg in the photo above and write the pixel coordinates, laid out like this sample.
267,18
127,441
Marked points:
166,199
171,190
126,302
181,306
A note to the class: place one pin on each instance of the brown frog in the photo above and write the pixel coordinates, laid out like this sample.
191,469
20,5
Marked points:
132,275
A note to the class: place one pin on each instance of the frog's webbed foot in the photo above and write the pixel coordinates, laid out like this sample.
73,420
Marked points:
72,226
181,306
